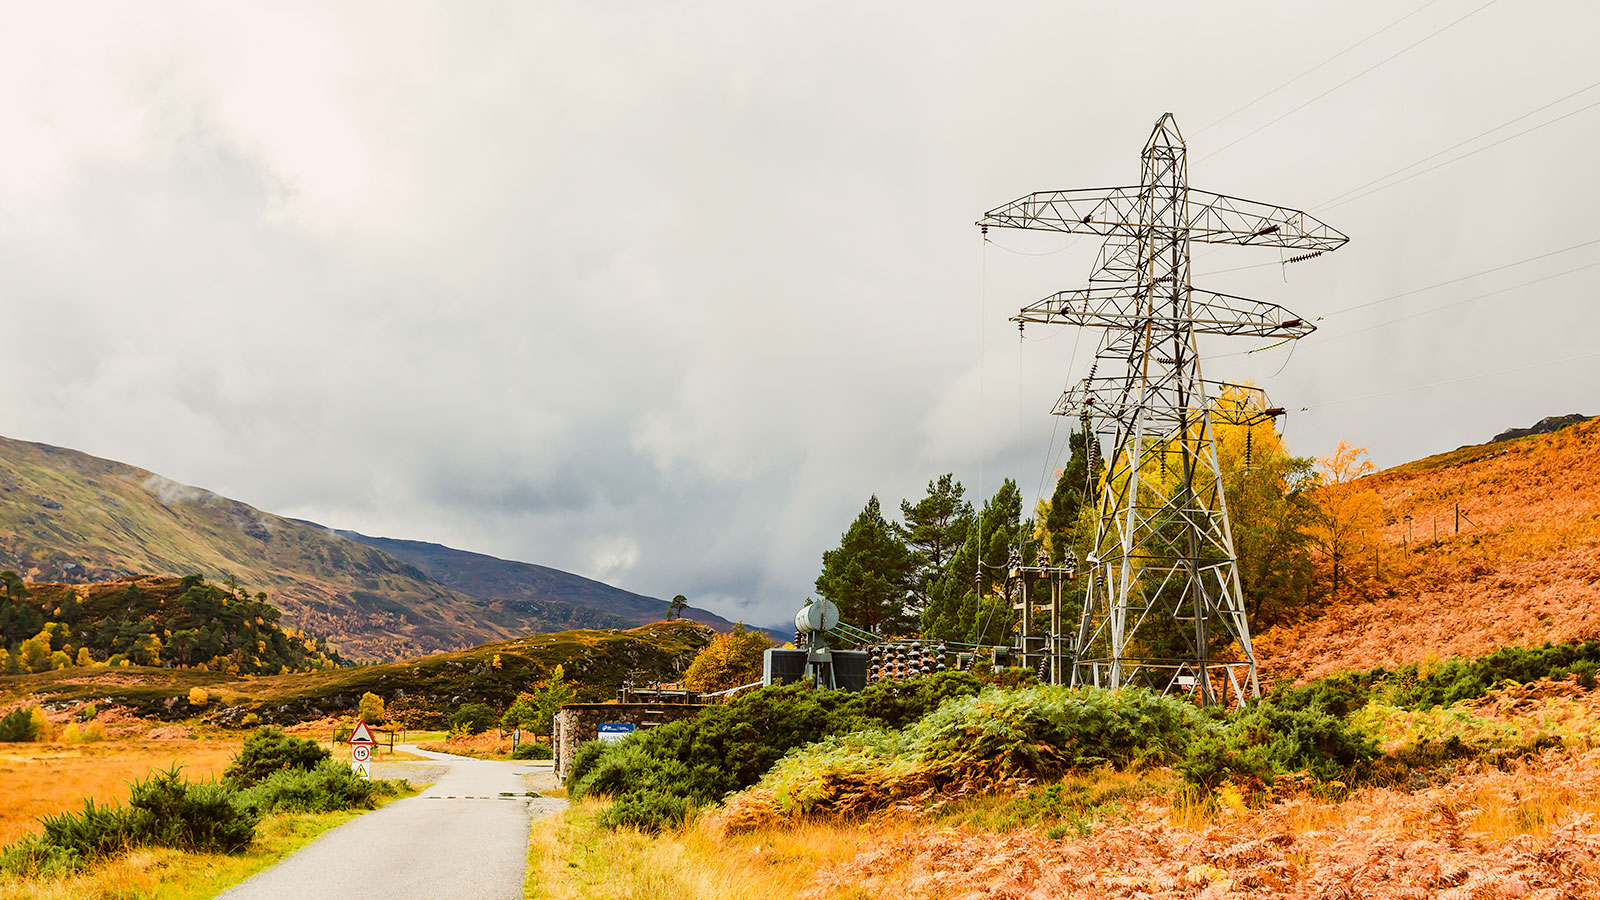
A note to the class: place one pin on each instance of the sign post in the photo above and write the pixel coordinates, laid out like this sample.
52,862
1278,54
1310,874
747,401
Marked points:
361,744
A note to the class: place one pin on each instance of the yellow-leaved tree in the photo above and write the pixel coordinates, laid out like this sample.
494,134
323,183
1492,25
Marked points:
371,710
730,660
1348,531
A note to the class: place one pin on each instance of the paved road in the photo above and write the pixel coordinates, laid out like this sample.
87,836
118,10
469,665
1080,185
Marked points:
464,838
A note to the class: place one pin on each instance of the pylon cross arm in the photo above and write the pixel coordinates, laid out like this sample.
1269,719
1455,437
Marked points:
1129,306
1102,211
1212,218
1220,219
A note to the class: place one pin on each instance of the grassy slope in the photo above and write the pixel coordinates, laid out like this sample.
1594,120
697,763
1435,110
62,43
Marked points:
68,516
1524,569
598,661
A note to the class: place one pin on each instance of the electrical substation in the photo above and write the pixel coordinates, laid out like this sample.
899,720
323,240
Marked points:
1162,604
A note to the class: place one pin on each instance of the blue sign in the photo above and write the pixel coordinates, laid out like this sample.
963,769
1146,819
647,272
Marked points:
615,731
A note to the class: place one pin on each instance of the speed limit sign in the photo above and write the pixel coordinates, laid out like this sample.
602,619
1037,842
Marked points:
361,753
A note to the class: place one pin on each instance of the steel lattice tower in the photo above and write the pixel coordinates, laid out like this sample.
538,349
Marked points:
1163,605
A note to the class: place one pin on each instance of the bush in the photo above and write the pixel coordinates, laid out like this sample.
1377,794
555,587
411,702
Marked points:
206,816
473,718
1043,731
1039,732
1410,687
1264,741
269,750
729,747
19,726
94,831
164,809
35,856
328,787
532,750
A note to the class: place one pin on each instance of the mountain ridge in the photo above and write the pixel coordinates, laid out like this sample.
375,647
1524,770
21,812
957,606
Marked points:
71,517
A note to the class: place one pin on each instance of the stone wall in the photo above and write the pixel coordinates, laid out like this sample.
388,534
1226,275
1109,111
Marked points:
579,723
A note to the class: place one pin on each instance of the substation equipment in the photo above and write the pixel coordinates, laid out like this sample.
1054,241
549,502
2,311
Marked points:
1163,570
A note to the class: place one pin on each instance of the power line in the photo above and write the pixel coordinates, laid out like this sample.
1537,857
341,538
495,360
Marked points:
1447,162
1456,303
1316,67
1418,387
1440,284
1406,49
1339,197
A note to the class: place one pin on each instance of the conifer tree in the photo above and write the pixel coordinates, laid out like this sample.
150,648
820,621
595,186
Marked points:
869,575
934,530
969,603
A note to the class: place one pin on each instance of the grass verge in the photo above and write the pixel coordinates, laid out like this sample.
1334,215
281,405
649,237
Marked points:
161,873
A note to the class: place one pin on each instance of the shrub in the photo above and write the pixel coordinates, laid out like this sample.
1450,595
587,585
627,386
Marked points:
647,811
1410,687
473,718
94,831
35,856
19,726
1266,740
532,750
206,816
198,696
164,809
1038,732
1043,731
269,750
328,787
729,747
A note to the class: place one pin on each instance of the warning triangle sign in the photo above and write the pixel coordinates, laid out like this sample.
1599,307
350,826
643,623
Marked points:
361,770
361,735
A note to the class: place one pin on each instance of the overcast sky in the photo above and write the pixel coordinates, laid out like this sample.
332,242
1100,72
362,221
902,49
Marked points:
659,293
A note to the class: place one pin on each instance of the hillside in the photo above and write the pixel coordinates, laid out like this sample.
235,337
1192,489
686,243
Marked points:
1524,569
151,621
423,691
69,517
512,585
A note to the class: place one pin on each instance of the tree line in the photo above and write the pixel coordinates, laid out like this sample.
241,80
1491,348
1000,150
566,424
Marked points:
941,569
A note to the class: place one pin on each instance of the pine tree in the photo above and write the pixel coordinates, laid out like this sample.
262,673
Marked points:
869,575
934,530
970,602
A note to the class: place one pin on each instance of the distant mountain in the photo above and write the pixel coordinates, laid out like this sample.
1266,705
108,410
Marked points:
69,517
509,584
1546,425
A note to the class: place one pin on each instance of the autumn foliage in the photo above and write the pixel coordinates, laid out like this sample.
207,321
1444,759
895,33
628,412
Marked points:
1523,569
729,661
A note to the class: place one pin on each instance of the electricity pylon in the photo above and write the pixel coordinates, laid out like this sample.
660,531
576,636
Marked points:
1163,605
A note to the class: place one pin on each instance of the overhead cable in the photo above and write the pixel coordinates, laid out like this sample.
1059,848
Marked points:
1316,67
1402,51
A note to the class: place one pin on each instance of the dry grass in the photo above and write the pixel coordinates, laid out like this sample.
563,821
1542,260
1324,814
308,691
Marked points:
38,779
1469,830
1525,568
1526,832
571,857
161,873
488,745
